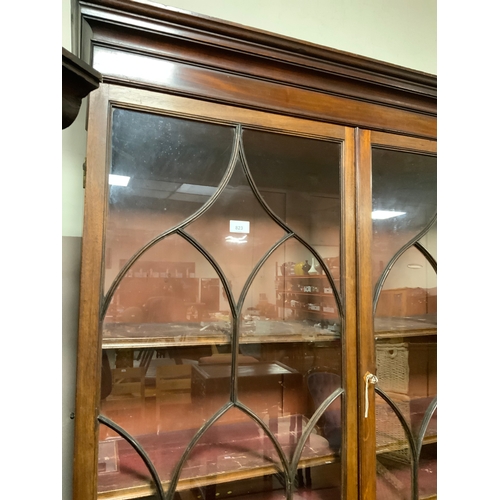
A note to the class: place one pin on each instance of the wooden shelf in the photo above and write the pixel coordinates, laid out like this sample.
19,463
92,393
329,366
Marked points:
156,335
409,326
402,335
305,276
398,446
311,294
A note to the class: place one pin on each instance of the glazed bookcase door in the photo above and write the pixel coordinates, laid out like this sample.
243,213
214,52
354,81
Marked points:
217,338
398,327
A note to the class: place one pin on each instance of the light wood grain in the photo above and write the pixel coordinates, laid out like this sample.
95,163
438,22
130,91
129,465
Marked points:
89,354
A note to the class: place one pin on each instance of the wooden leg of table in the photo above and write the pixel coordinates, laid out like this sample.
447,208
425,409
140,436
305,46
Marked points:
308,477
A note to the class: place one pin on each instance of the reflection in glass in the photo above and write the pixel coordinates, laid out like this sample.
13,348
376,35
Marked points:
428,461
299,179
288,301
405,184
408,300
320,473
393,449
157,396
265,487
394,469
319,468
234,443
271,346
171,293
239,245
429,241
164,169
405,306
119,466
393,479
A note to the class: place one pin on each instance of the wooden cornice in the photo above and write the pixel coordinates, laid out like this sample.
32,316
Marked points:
156,32
78,80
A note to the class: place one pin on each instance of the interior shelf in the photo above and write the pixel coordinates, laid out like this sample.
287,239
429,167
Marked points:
128,335
208,463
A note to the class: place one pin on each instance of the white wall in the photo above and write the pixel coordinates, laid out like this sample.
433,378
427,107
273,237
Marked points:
401,32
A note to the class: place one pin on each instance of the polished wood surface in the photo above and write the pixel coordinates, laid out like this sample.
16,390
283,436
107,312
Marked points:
404,143
206,110
89,338
210,42
225,88
255,69
412,326
349,347
366,351
78,80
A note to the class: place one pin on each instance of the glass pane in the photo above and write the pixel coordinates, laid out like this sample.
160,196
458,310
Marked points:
393,479
319,468
427,471
393,450
394,470
404,187
266,487
236,231
299,179
171,167
405,281
288,300
234,447
179,349
158,397
408,300
171,295
120,469
429,241
321,482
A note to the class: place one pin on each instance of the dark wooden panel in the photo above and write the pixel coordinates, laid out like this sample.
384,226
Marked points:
348,276
183,79
78,80
291,69
236,49
89,339
366,351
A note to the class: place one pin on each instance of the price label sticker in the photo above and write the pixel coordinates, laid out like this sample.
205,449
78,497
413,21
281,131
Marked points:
239,226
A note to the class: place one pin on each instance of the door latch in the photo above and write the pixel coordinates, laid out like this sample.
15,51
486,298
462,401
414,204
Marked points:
369,379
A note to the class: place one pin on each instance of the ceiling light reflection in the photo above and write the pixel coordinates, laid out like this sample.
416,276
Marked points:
118,180
385,214
234,239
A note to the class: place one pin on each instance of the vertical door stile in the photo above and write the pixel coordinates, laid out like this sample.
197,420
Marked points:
89,335
366,358
349,286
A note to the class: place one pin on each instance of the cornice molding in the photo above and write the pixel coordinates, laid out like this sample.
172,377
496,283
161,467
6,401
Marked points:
78,80
170,33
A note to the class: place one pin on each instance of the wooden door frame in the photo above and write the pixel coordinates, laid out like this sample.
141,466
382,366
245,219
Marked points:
90,328
365,141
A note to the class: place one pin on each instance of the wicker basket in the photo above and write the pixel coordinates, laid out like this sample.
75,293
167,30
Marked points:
393,371
391,437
